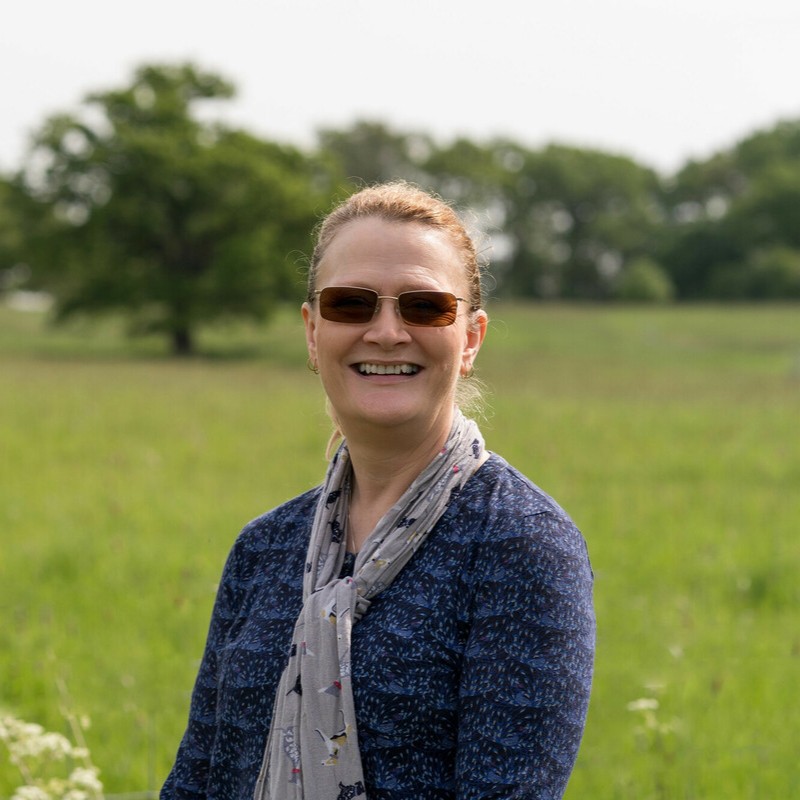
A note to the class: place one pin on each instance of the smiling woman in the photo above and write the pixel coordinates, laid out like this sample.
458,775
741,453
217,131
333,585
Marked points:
421,624
379,369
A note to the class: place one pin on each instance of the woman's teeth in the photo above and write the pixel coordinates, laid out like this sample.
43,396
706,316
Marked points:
388,369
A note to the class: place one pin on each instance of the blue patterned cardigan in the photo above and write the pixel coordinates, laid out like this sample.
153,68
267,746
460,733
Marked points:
471,672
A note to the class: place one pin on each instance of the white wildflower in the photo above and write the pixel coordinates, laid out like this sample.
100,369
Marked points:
51,745
643,704
31,793
55,787
86,778
28,730
34,751
13,728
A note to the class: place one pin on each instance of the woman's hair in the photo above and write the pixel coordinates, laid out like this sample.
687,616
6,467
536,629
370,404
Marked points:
399,201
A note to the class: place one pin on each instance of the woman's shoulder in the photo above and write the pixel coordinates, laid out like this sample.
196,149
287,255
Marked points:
287,512
501,509
284,526
518,535
504,490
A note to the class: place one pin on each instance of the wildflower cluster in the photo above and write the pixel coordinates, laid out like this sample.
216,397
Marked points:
43,757
653,733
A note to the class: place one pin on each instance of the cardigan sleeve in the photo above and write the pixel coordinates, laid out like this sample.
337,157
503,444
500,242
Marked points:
189,775
527,669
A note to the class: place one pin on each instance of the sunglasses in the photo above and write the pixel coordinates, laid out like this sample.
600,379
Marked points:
352,304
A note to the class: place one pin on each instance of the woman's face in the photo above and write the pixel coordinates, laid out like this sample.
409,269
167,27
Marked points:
390,258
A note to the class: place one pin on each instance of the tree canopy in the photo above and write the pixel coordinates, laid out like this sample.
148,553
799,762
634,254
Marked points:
728,213
137,205
175,222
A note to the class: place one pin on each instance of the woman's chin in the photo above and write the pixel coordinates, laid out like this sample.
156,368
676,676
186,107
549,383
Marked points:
386,416
393,414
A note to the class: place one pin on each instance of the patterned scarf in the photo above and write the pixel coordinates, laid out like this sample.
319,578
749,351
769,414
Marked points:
312,749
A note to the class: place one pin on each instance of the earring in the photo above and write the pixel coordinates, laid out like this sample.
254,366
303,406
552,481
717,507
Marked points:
312,366
469,373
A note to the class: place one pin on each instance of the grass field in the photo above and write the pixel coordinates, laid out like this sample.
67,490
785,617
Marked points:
671,435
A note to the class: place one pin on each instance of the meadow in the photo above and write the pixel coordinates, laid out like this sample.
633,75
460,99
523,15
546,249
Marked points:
671,435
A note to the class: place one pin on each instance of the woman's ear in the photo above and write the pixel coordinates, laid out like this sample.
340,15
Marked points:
476,332
311,330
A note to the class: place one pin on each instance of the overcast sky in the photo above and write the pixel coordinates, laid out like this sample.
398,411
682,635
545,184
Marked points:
660,80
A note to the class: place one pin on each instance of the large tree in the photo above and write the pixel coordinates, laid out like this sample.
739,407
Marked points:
576,217
174,221
734,220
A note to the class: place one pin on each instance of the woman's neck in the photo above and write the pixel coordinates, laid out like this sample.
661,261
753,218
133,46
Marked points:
382,471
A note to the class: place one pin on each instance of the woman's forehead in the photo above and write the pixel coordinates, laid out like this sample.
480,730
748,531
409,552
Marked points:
376,245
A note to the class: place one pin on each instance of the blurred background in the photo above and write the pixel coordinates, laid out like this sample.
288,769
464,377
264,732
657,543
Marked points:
631,171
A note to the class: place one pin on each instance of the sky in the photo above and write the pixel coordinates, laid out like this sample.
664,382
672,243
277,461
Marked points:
659,80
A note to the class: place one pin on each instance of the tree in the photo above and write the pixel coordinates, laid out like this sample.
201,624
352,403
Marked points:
475,177
10,225
575,216
173,221
690,254
369,152
734,220
643,281
765,223
707,189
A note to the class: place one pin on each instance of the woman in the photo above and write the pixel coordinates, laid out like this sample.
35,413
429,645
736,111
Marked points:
421,625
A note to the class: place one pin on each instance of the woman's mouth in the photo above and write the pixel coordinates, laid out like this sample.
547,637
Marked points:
366,368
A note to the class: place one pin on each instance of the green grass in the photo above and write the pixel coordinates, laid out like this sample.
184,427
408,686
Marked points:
670,434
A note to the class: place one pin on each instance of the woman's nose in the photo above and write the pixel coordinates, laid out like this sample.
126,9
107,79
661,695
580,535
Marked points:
387,324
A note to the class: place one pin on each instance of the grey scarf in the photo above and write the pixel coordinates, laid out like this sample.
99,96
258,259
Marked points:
312,749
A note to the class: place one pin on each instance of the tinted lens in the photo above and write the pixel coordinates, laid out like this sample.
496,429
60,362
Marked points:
434,309
347,304
355,305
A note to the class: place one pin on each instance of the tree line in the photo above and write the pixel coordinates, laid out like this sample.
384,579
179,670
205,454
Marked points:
137,203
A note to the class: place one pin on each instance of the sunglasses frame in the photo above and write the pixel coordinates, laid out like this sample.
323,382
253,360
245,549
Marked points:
398,305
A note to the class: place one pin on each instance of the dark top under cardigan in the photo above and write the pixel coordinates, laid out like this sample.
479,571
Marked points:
471,672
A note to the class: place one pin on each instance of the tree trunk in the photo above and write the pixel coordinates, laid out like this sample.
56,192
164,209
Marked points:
182,342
